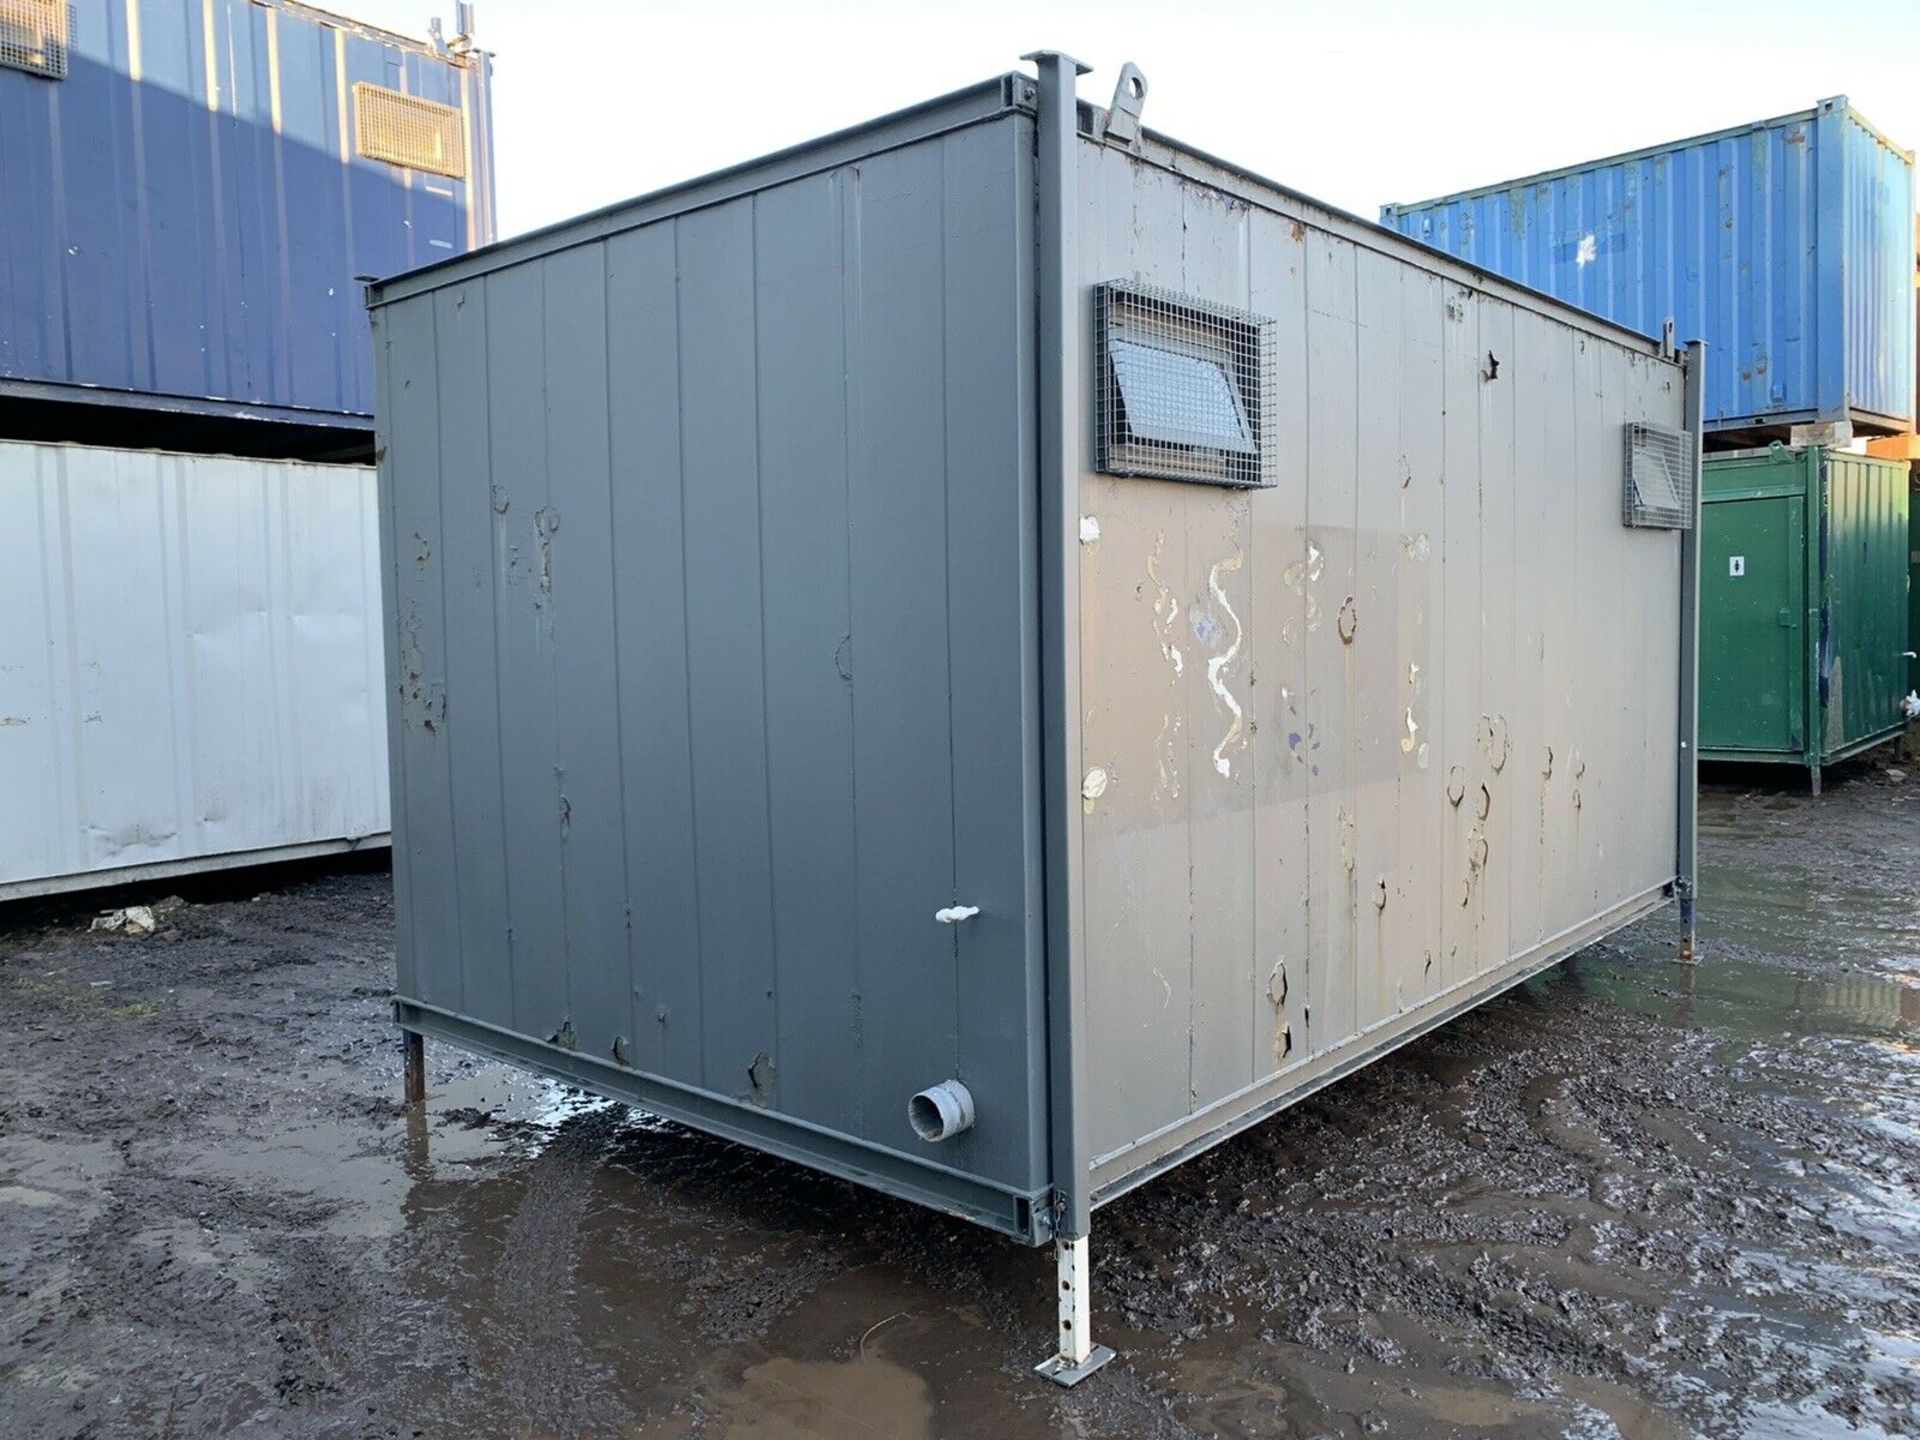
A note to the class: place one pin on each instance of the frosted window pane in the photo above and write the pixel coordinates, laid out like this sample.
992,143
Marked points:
1179,399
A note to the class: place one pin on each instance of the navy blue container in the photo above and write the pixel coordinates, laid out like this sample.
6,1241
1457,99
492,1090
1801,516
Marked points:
1787,245
193,186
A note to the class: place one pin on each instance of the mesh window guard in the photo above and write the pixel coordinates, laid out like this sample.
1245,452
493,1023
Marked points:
1184,388
34,35
406,130
1658,491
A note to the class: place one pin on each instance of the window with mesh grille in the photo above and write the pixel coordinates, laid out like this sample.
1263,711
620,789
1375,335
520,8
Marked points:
406,130
1659,481
34,35
1184,388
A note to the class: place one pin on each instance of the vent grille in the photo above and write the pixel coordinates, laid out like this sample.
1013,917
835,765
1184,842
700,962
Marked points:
1184,388
34,35
1659,481
406,130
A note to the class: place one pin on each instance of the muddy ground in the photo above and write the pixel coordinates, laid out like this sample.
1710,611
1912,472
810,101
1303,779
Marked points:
1625,1200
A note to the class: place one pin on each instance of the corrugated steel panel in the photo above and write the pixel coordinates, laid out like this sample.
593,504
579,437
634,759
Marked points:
1785,245
187,209
752,483
190,665
717,537
1913,578
1804,605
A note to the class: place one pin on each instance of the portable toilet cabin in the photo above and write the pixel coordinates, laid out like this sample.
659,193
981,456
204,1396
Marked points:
1804,596
990,651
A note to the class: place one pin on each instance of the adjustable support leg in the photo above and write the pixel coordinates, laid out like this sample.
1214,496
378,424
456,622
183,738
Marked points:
413,1046
1689,936
1078,1356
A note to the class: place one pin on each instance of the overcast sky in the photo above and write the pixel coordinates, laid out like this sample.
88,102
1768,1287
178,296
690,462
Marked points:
1356,102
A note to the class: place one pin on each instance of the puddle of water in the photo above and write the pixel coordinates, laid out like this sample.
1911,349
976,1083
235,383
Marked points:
1630,1200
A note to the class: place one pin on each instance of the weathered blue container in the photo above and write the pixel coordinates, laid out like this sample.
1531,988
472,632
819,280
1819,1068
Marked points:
192,187
1786,245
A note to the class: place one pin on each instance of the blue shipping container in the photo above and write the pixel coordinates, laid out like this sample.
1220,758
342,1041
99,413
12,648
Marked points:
193,185
1787,245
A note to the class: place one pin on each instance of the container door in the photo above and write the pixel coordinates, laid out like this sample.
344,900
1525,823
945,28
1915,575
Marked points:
1753,621
1913,586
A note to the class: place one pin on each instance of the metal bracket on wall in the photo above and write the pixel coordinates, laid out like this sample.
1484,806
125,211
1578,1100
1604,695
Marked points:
1123,115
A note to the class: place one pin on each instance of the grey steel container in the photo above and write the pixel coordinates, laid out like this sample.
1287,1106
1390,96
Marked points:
756,610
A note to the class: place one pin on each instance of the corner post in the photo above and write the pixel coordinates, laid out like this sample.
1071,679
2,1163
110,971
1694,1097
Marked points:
1062,421
1687,810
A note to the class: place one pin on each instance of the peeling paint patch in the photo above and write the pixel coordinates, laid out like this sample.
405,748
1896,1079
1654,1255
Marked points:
423,702
1494,741
1302,573
1093,787
760,1077
1348,622
1416,547
1411,738
1166,748
1089,529
1217,666
1166,609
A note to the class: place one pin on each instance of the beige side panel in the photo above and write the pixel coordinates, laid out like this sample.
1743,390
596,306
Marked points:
1359,745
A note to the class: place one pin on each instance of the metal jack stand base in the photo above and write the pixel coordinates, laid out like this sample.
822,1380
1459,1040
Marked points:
1691,951
1057,1369
1078,1357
